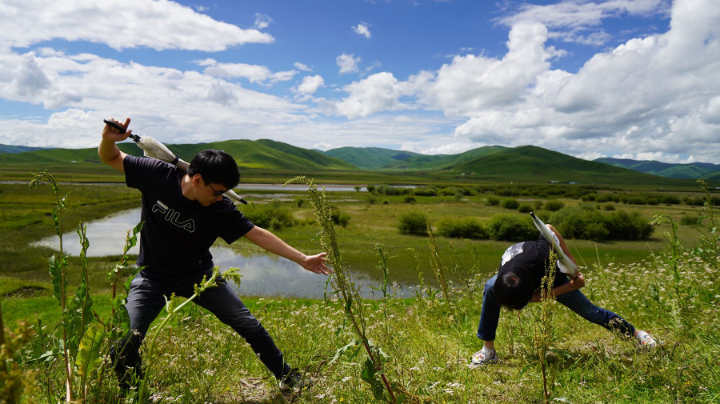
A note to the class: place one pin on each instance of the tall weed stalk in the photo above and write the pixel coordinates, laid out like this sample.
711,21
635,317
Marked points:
708,249
172,308
676,246
543,327
349,293
439,268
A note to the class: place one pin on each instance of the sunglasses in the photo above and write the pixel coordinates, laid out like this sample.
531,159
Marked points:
216,193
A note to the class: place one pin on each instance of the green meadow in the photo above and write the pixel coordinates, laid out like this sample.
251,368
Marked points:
667,289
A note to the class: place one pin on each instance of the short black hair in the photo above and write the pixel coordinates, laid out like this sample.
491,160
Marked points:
514,289
215,167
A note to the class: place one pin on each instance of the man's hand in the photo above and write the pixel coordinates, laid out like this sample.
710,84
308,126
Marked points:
316,264
113,135
578,281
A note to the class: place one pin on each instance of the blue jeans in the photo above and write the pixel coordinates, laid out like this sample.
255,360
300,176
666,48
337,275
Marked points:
146,300
575,301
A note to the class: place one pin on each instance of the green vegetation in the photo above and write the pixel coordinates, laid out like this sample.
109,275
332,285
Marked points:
691,171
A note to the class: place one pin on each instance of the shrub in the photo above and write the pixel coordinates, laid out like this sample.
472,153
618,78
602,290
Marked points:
299,201
670,200
589,197
690,220
338,217
462,228
425,191
269,216
609,206
603,198
510,204
538,205
652,201
525,208
413,223
628,226
388,190
372,199
505,227
553,206
409,199
386,202
493,201
370,188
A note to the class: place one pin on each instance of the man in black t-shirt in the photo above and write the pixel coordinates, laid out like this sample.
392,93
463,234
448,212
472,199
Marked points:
517,283
184,214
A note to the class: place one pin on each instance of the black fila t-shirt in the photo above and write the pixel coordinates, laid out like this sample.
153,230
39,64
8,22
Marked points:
534,256
177,235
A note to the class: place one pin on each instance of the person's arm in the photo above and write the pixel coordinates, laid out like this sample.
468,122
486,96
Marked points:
574,284
108,151
270,242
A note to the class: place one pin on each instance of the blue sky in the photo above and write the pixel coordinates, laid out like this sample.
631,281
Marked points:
618,78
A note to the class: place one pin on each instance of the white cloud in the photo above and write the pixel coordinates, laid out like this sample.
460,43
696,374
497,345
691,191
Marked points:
120,25
347,63
302,67
362,29
262,21
375,93
253,73
322,146
657,156
578,20
310,84
200,9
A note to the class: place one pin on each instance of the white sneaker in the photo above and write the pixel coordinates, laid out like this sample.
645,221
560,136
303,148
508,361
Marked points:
483,357
645,340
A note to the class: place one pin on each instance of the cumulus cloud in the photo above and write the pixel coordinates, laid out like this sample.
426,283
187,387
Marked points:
302,67
262,21
362,29
347,63
253,73
119,24
310,84
579,20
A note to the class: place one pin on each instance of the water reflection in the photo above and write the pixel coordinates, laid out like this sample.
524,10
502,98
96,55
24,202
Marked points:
263,275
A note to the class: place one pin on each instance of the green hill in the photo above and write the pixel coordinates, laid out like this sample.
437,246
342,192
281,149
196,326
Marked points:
261,154
531,163
442,161
370,157
690,171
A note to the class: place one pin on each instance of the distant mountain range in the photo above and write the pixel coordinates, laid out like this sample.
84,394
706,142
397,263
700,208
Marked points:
493,163
17,149
705,171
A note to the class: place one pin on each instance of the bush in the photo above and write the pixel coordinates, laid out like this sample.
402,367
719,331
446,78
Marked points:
299,201
269,216
338,217
386,202
462,228
388,190
670,200
413,223
371,188
589,197
493,201
525,208
609,206
372,199
510,204
553,206
425,191
409,199
690,220
538,205
512,228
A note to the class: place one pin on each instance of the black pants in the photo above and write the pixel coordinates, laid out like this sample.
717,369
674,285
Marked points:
146,300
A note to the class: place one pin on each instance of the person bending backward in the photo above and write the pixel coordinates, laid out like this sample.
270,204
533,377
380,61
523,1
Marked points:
517,283
184,214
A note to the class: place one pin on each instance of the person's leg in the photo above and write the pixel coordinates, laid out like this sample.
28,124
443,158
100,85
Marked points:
489,315
224,303
144,303
577,302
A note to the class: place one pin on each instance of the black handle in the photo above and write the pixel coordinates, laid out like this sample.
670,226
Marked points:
115,125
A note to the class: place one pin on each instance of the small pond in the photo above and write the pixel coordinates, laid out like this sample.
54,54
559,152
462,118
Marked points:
263,275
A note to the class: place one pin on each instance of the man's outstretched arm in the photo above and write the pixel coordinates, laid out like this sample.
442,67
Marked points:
270,242
108,152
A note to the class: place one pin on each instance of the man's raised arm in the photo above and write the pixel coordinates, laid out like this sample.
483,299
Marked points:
108,152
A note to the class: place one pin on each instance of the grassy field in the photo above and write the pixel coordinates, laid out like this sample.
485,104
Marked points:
429,340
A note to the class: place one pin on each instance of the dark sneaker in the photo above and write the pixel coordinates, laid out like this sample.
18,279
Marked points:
296,382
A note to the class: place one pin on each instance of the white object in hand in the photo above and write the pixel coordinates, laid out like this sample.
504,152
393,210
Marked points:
566,265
